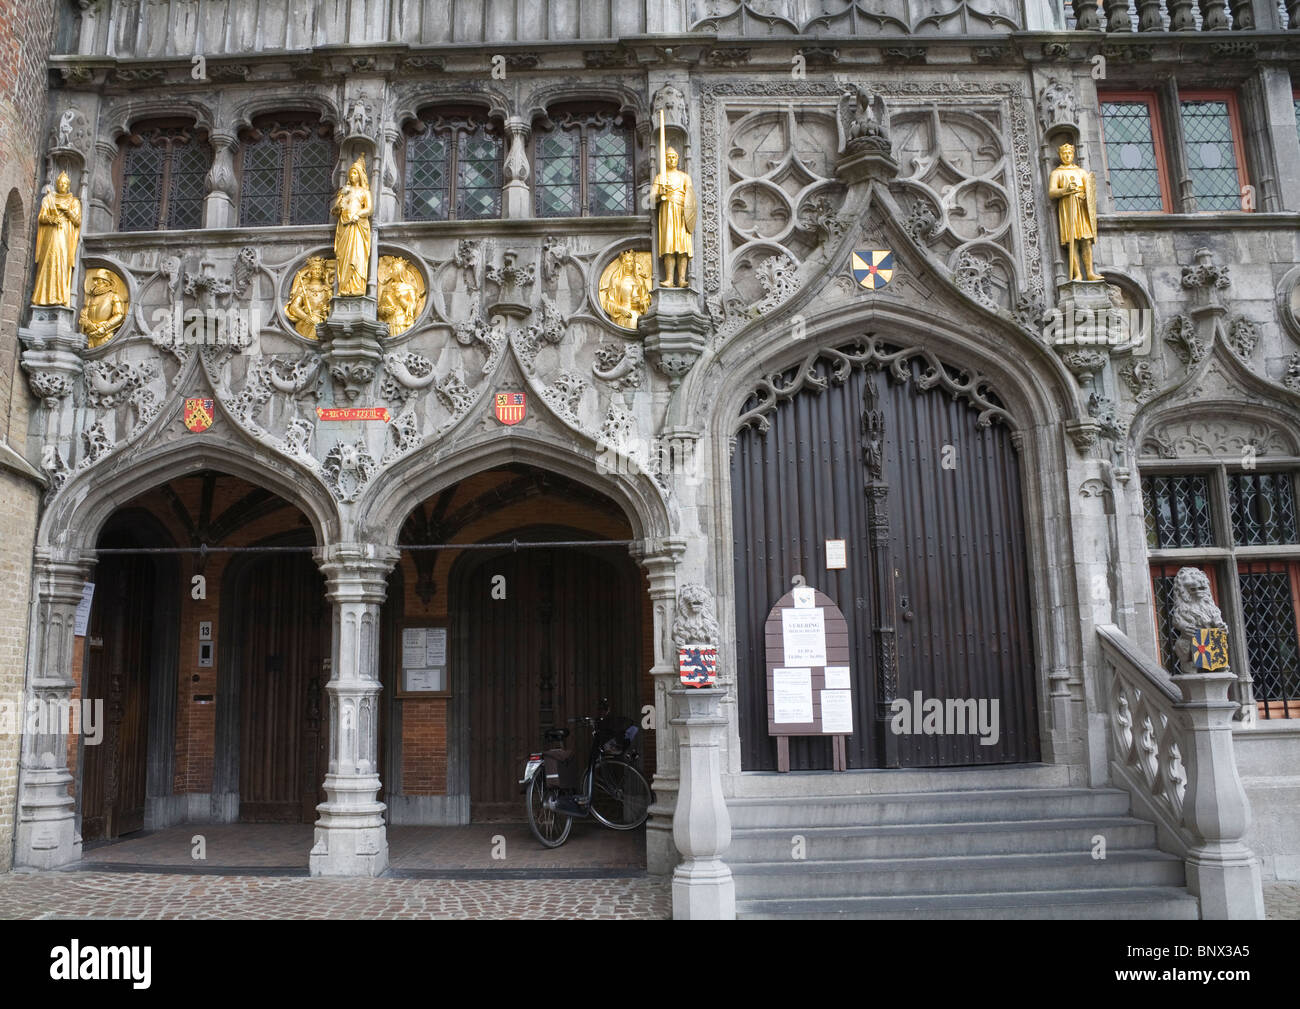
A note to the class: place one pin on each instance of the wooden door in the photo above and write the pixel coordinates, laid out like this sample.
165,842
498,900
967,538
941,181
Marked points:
281,632
948,534
118,661
567,634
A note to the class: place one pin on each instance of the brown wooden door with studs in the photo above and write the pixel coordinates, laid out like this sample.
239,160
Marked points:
281,630
567,634
118,660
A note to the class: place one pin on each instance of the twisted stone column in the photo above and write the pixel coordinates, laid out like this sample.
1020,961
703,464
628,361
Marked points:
351,839
46,836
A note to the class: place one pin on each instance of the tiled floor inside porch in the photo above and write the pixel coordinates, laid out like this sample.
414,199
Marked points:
592,851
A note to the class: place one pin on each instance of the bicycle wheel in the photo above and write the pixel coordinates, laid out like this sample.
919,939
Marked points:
620,797
549,827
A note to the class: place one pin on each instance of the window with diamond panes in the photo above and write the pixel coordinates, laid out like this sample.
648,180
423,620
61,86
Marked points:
1263,510
1270,598
584,165
1177,510
453,169
1212,152
164,172
1133,166
287,174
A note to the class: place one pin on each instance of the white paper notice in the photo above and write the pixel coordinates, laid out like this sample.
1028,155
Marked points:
803,634
424,679
82,618
837,712
792,695
804,597
413,648
837,678
836,555
435,647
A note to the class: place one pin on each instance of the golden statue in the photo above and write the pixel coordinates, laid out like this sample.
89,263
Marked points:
309,298
353,208
675,195
1076,193
58,230
625,287
401,294
104,308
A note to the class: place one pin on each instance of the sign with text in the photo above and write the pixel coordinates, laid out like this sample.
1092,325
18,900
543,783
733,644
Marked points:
424,661
352,413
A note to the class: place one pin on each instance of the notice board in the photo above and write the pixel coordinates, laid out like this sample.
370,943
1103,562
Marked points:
809,679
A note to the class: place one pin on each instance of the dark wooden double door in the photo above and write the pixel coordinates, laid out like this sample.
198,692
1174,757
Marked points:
567,633
954,547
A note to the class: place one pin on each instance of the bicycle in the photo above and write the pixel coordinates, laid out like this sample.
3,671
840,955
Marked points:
613,790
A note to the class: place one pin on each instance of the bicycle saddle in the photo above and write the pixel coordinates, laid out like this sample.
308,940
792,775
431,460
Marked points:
556,734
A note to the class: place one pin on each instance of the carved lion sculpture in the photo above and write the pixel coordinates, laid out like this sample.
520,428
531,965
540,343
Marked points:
694,622
1193,608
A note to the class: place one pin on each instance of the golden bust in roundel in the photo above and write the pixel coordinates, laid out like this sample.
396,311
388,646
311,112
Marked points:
1076,194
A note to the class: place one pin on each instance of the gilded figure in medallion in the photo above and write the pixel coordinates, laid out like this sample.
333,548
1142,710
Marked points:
1076,194
104,309
675,194
309,299
625,287
401,294
58,231
353,207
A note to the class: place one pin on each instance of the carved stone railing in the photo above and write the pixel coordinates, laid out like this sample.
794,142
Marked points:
1171,748
1182,15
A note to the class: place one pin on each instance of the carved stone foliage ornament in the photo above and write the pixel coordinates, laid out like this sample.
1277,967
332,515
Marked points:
1215,439
348,467
846,18
104,306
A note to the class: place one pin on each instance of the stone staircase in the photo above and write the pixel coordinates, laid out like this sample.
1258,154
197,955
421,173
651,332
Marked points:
996,842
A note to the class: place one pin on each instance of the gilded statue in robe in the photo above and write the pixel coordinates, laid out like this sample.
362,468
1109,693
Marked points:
625,287
353,207
401,294
675,195
58,231
104,309
1076,194
309,298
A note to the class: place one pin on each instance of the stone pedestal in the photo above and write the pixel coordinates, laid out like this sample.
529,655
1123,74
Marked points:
1220,868
866,159
675,331
702,884
45,834
351,839
52,359
1079,327
349,340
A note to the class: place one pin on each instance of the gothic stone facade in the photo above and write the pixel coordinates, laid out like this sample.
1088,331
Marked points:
754,97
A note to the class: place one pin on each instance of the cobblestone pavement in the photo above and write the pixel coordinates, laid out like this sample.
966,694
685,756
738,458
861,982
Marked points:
117,895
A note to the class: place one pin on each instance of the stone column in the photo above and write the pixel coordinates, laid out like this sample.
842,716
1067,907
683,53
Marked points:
351,839
220,206
661,567
702,885
46,834
516,197
1220,868
98,204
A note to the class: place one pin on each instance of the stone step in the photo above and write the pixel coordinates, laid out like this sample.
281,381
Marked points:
927,807
770,784
1075,834
1114,904
883,877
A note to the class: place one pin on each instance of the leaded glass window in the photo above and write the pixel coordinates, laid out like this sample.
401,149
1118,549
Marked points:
163,174
1262,506
1268,605
1132,163
1211,152
453,169
1177,511
287,174
584,166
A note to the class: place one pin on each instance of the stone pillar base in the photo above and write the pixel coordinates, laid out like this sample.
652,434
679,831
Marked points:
1228,884
46,843
661,854
351,838
703,890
